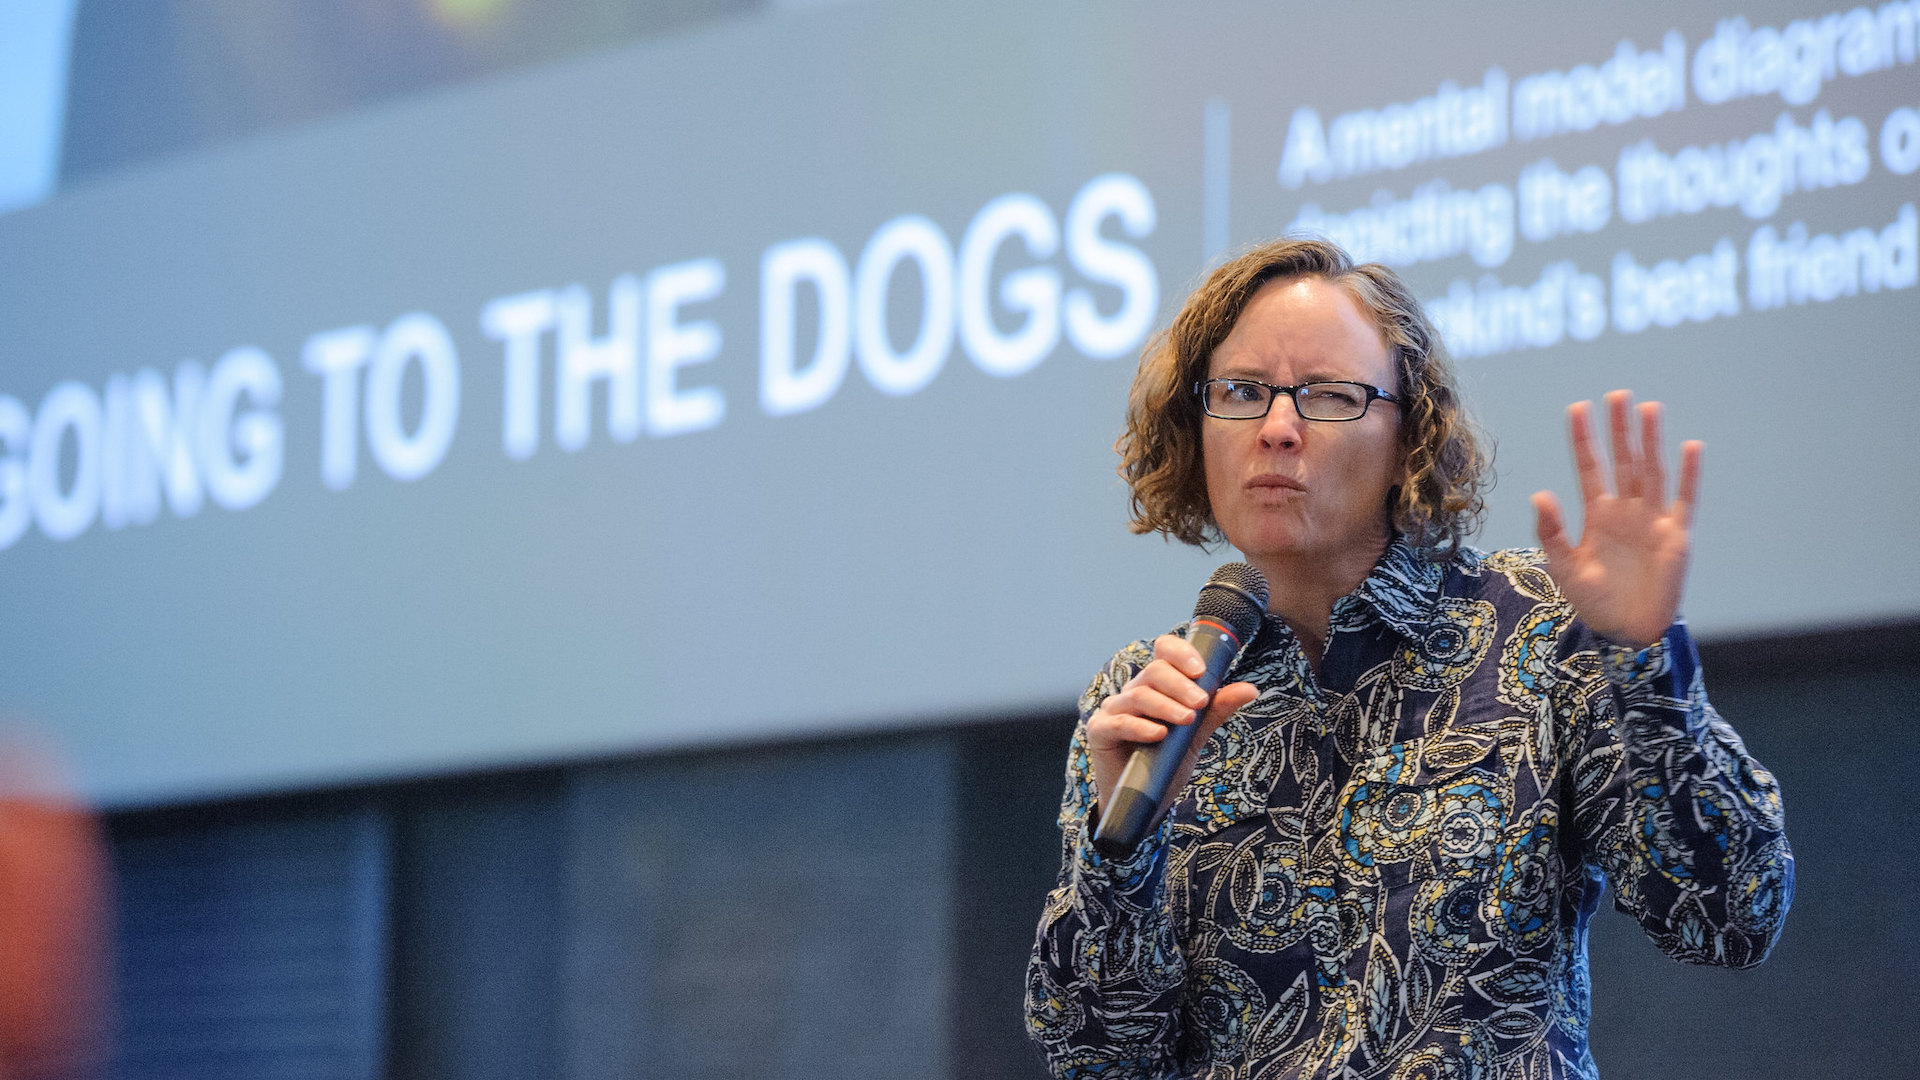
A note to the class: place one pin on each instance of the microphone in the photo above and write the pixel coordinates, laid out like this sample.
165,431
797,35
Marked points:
1227,615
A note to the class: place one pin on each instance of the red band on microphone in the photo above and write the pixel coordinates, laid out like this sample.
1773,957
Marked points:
1220,626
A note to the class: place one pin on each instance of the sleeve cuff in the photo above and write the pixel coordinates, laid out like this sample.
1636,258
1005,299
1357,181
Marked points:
1629,668
1125,875
1657,688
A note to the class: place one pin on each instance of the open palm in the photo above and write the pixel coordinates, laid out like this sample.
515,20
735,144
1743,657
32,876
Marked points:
1624,574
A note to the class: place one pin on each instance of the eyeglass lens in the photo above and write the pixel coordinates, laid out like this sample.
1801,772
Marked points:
1243,400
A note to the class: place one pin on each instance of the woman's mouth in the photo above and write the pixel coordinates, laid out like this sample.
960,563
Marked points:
1275,482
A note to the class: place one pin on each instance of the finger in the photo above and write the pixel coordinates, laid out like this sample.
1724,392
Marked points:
1586,460
1111,731
1149,703
1179,652
1107,732
1165,679
1551,528
1141,715
1626,477
1653,465
1689,495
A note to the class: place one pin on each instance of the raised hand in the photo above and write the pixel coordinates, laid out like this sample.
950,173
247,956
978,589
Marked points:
1624,574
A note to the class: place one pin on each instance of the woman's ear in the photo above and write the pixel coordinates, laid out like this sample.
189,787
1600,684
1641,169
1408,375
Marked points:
1395,501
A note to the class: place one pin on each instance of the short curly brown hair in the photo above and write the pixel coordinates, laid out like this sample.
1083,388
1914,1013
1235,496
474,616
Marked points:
1438,502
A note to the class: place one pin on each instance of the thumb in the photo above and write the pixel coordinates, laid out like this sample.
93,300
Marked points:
1551,528
1227,700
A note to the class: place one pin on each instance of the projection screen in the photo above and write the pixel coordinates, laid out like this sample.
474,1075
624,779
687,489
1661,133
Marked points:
761,381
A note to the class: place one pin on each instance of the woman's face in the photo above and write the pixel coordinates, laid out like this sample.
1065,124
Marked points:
1289,490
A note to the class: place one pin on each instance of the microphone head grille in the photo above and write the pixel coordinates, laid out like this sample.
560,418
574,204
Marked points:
1236,595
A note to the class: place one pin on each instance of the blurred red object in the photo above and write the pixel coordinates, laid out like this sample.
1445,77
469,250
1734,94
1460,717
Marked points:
53,925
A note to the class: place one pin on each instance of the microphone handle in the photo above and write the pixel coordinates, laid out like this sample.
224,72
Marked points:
1134,806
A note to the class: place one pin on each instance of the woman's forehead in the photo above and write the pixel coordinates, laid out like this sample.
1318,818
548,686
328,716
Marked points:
1304,329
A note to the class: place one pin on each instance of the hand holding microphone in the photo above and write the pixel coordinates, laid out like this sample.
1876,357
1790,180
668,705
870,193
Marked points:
1144,739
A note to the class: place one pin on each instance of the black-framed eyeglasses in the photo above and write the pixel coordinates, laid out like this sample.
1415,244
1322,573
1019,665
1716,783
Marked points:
1250,399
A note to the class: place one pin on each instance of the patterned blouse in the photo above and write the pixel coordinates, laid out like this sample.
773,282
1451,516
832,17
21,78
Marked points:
1387,871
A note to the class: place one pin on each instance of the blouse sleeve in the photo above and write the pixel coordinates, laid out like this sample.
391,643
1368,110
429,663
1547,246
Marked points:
1103,984
1686,825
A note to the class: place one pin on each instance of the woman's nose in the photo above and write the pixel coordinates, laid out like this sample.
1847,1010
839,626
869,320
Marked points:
1280,429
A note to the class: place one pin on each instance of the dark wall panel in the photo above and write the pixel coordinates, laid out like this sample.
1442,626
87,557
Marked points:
1008,841
478,931
777,915
252,949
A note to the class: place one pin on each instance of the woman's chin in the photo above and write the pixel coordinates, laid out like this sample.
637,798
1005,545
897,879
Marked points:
1273,546
1281,547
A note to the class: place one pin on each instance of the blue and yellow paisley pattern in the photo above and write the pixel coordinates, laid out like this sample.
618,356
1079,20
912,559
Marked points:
1386,870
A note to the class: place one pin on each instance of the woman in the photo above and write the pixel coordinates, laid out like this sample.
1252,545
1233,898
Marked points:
1402,811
